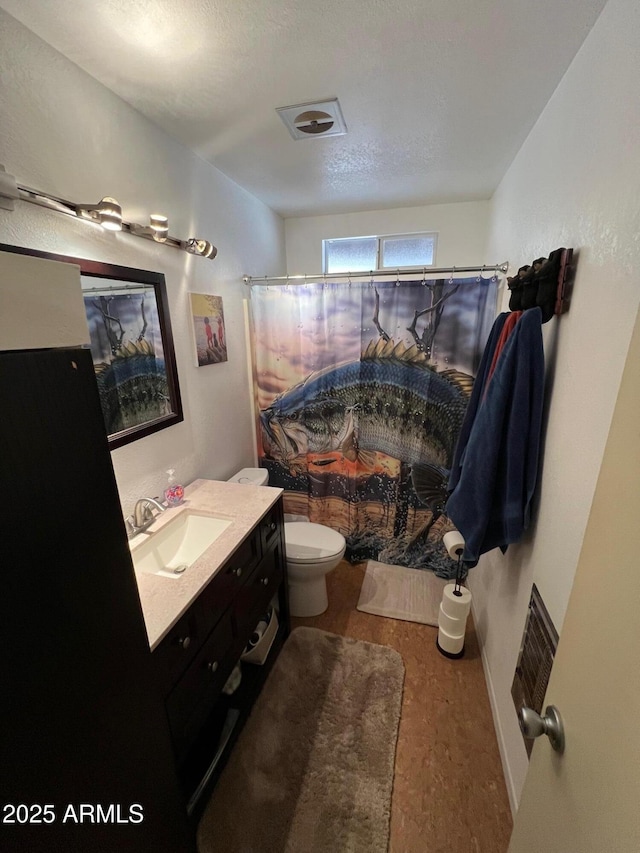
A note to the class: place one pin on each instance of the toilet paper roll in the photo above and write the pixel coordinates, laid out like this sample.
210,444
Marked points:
452,645
454,543
255,638
455,627
456,606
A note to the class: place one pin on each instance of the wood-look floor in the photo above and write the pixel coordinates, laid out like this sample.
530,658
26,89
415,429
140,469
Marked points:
449,794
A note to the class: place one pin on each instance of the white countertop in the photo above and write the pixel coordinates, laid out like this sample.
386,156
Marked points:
165,600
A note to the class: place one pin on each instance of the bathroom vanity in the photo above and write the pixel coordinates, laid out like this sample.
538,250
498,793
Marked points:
113,710
200,620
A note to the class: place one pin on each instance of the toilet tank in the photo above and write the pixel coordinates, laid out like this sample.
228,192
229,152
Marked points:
251,477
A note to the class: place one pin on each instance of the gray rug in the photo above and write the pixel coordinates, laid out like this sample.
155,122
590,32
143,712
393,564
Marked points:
312,771
400,593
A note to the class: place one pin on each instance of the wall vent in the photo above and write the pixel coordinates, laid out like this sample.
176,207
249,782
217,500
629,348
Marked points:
317,118
538,649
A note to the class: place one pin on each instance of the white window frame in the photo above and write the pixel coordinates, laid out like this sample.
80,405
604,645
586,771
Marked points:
380,238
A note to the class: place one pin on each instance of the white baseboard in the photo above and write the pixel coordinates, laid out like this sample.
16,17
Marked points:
506,769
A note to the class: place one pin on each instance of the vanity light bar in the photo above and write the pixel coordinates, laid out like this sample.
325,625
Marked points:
107,213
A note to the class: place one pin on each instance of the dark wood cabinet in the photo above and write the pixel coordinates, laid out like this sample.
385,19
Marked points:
216,597
254,596
270,530
176,651
81,719
191,699
194,661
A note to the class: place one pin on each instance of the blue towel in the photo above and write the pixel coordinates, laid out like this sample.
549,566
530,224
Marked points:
495,475
475,399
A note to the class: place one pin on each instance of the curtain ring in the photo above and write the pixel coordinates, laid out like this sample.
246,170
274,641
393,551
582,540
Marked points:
453,270
424,276
397,276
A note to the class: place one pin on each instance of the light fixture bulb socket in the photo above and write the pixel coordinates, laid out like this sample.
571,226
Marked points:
106,213
159,226
201,247
109,214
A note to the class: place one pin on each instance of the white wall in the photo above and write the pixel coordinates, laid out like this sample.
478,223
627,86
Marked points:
575,182
62,132
462,232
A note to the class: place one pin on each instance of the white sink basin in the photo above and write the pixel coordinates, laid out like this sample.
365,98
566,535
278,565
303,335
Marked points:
171,550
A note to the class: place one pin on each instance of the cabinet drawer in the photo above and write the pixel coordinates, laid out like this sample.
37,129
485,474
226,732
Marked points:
175,652
258,591
191,700
270,527
220,591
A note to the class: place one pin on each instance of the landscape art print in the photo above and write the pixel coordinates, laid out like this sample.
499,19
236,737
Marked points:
208,328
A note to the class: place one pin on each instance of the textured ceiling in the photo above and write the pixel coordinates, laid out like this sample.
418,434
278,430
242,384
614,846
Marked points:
438,95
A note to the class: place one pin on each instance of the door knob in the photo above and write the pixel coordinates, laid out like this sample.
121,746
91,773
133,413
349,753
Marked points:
533,725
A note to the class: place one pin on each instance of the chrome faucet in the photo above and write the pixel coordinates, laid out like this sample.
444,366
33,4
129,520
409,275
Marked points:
143,516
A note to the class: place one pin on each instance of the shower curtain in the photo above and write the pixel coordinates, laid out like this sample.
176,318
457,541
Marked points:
361,388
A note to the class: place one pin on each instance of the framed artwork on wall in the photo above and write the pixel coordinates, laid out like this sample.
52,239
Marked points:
131,346
209,334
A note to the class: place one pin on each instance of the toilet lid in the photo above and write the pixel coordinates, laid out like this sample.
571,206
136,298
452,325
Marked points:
307,542
251,477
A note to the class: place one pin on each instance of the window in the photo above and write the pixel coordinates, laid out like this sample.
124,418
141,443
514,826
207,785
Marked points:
353,254
392,251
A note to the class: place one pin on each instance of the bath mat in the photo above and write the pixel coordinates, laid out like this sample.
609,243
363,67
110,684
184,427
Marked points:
313,768
400,593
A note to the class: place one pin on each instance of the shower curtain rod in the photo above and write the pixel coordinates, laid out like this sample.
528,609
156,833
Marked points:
302,279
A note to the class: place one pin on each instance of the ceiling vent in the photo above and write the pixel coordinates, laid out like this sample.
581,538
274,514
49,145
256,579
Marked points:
320,118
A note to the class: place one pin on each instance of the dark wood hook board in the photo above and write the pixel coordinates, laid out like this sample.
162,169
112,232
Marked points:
543,283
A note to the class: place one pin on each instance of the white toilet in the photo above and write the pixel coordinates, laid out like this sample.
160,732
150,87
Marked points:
313,550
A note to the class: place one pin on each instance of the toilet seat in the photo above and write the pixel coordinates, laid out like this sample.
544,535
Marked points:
311,543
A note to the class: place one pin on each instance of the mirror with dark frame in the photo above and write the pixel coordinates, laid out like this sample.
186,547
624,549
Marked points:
131,345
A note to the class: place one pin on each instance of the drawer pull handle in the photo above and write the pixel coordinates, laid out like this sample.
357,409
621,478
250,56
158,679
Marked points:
237,572
212,666
264,581
185,642
273,526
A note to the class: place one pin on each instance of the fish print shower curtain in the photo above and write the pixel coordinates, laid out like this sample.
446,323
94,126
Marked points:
361,388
